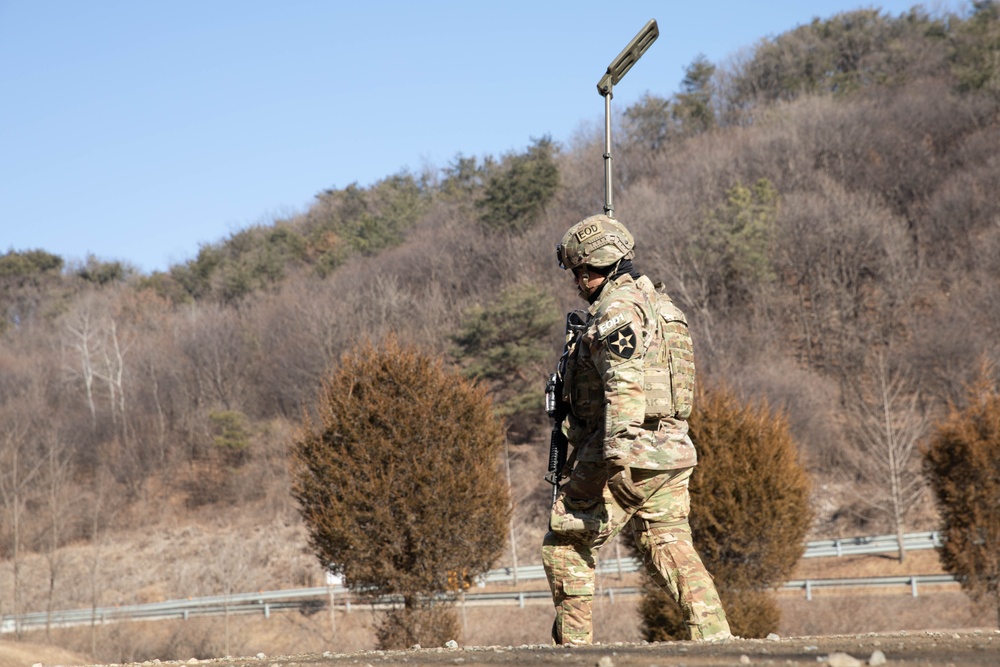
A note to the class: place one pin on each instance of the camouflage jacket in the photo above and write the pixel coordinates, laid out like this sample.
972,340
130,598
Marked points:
604,385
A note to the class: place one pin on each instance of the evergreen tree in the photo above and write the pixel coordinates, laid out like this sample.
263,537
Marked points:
506,345
976,49
693,107
962,465
749,514
400,487
519,190
647,123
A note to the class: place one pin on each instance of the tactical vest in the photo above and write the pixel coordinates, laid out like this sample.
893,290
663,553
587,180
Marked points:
668,368
668,364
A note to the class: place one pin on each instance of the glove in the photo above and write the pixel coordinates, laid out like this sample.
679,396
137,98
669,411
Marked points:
624,491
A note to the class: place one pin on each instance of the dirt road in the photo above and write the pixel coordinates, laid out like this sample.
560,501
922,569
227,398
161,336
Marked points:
927,649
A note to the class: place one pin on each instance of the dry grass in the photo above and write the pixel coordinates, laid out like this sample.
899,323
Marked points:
843,614
873,565
294,633
829,612
24,654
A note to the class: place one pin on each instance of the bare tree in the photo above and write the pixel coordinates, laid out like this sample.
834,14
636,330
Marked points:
83,343
235,562
216,342
102,511
56,483
887,423
112,372
19,465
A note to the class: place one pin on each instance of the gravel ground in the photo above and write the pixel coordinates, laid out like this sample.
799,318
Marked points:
934,649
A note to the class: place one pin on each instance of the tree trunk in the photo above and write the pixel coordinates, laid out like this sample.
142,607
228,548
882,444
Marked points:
510,490
899,541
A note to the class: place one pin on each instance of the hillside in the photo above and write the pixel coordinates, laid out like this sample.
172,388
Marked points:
823,210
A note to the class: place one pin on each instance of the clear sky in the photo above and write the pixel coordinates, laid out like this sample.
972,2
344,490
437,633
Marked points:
138,130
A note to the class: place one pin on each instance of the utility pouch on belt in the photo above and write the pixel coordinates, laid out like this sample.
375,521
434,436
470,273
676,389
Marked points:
668,366
571,516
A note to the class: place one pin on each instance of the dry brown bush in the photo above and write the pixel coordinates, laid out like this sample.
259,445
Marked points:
403,458
962,467
749,513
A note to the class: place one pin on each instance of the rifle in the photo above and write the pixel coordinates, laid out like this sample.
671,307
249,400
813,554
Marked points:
556,407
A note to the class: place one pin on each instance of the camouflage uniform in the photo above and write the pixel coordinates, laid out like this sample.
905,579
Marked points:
606,387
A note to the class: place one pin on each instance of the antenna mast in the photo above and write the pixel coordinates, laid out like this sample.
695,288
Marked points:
616,70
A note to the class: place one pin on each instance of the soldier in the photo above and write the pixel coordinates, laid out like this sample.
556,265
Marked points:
629,381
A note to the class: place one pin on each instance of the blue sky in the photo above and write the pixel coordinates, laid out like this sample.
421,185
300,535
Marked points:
141,130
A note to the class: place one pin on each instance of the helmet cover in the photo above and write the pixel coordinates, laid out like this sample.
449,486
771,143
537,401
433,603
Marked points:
595,241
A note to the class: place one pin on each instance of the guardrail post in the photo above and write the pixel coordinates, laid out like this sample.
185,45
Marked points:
809,590
913,586
611,595
520,599
267,610
836,543
936,539
333,611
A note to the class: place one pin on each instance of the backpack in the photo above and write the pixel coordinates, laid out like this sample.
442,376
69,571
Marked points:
668,364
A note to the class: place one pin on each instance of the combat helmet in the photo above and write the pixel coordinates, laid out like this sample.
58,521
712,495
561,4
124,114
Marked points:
597,241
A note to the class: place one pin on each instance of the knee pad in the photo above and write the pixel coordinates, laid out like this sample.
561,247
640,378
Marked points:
663,532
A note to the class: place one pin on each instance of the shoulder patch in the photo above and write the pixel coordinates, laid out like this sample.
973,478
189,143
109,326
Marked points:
622,343
610,322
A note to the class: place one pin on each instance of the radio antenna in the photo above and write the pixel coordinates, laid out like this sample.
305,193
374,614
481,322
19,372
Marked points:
616,70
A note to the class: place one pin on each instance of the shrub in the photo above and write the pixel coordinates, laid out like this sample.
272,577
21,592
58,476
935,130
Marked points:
399,483
749,513
962,464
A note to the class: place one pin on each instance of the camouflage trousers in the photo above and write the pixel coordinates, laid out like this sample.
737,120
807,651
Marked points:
585,516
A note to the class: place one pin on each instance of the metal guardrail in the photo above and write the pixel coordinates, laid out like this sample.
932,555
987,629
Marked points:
871,545
850,546
316,598
913,581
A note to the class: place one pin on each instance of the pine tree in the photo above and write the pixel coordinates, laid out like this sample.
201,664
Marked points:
518,192
962,464
506,345
749,513
400,485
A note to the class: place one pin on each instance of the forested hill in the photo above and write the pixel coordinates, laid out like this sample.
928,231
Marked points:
823,207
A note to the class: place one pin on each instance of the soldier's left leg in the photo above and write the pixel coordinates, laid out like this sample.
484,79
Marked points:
663,532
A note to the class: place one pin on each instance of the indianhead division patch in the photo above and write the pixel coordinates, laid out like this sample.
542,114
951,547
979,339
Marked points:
621,343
